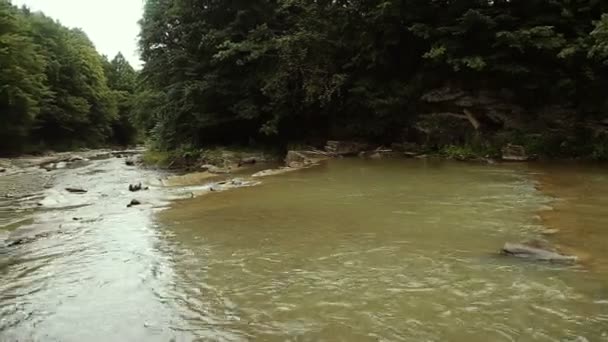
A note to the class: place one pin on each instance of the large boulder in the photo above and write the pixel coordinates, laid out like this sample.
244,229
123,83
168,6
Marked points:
535,252
512,152
345,148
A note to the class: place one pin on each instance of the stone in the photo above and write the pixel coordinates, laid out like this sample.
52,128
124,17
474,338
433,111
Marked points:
514,153
61,165
295,157
133,203
536,253
376,155
304,158
2,170
550,231
345,148
135,188
237,182
295,165
130,162
273,172
76,190
76,158
214,169
248,161
217,170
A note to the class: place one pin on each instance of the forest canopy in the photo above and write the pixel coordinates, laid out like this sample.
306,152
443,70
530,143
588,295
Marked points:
437,73
56,90
284,70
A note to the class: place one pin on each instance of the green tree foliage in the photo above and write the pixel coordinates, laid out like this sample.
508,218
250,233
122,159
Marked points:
54,90
22,79
122,80
218,71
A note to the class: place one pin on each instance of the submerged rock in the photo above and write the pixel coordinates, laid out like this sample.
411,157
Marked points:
514,153
76,190
133,203
26,239
2,170
130,162
136,187
54,166
536,253
296,165
273,172
248,161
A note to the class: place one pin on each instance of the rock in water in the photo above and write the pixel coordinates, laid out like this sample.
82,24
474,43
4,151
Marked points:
214,169
248,161
133,203
76,190
514,153
2,170
130,162
535,253
135,188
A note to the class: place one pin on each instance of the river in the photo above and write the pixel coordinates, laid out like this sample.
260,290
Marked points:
351,250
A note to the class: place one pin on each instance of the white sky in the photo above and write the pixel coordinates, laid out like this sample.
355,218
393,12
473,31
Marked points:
110,24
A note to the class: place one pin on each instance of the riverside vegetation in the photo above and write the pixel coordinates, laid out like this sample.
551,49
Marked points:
460,78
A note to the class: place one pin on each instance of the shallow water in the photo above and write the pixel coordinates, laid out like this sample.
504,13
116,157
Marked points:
352,250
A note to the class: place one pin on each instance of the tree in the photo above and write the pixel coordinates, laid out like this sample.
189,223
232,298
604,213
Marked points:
122,81
281,70
22,81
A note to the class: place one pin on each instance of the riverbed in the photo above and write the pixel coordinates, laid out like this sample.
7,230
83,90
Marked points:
351,250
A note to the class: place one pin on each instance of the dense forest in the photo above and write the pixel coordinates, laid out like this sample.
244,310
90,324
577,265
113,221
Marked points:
438,73
473,73
56,91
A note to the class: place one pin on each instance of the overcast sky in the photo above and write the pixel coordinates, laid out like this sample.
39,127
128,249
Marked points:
110,24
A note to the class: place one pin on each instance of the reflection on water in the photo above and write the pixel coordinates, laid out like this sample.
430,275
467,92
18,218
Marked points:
392,250
350,251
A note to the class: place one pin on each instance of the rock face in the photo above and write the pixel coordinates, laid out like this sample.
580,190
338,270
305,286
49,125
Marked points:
345,148
536,253
514,153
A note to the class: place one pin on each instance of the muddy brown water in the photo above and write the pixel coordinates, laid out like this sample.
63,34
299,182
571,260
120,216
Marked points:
352,250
